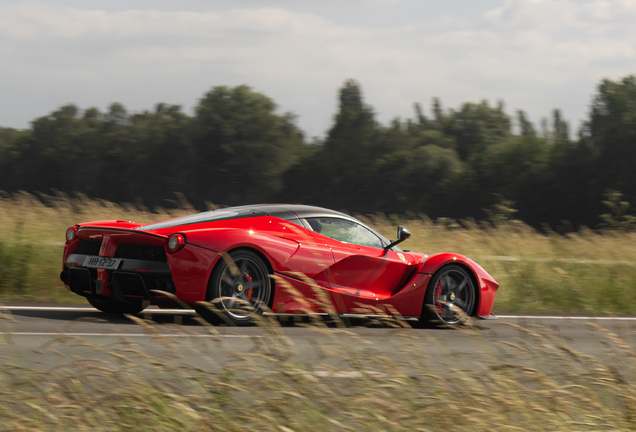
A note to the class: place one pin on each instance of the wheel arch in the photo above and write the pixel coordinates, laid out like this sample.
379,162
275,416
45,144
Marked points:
473,278
261,255
471,274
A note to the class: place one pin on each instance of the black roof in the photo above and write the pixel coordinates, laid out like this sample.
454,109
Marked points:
290,212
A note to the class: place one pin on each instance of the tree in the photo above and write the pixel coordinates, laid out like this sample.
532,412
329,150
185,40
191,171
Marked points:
526,128
612,130
242,147
162,159
340,173
477,126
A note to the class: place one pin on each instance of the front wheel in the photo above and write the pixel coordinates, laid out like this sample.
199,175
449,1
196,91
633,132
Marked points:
111,306
450,288
241,286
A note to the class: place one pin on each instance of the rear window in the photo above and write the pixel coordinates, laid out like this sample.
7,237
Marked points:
210,216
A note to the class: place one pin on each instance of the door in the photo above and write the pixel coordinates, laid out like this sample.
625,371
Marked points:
362,267
308,270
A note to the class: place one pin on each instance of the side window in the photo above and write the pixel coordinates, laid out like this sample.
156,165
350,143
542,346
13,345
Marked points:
346,231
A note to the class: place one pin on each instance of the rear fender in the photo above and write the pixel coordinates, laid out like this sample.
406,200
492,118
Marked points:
190,269
278,251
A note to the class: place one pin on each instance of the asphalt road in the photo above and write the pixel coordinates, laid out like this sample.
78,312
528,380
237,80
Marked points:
46,336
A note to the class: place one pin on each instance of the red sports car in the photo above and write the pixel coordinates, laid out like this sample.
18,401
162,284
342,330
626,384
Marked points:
293,259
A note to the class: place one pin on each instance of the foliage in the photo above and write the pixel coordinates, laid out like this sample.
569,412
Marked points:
237,149
612,131
617,219
241,146
503,211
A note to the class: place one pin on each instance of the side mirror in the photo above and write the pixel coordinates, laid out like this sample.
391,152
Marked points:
402,234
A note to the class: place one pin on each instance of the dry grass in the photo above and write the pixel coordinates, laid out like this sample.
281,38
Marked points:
536,382
32,240
586,272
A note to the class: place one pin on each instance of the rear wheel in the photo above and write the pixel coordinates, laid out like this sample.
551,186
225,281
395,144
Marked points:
111,306
450,288
241,286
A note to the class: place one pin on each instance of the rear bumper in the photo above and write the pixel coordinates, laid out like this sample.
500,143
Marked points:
133,279
185,274
77,260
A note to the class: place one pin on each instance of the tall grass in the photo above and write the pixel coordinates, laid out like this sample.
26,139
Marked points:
536,382
584,271
32,233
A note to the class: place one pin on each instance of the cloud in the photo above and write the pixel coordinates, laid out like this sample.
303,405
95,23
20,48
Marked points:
535,54
591,17
560,40
541,15
301,56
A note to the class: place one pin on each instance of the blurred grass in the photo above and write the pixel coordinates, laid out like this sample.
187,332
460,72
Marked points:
533,382
32,233
585,271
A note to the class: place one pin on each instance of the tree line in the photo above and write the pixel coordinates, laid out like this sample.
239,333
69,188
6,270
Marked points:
237,149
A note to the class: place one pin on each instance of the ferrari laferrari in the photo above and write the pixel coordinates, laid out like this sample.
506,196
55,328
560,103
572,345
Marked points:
270,258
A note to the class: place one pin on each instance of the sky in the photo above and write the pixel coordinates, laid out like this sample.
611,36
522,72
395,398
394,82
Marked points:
535,55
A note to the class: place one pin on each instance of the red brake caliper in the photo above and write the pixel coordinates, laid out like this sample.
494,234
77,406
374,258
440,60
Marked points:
250,291
438,292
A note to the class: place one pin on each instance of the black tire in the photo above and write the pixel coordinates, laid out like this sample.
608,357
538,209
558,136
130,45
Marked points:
111,306
450,285
240,286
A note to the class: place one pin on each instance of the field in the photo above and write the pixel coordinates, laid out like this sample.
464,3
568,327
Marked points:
584,271
536,382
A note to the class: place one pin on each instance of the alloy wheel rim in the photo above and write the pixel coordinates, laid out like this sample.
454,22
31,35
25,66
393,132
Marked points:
453,288
241,284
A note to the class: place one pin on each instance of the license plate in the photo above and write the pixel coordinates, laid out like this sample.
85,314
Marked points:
101,262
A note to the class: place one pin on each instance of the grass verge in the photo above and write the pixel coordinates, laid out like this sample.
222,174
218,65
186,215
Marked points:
536,382
585,271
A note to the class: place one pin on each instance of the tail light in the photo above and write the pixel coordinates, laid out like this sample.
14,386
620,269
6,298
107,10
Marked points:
176,242
71,234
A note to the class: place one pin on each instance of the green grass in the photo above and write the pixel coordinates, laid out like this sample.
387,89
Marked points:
585,271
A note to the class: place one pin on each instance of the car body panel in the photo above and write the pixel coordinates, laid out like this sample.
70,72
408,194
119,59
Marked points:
369,269
302,295
191,268
312,272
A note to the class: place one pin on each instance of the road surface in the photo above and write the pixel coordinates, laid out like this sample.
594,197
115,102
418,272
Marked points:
47,336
